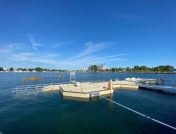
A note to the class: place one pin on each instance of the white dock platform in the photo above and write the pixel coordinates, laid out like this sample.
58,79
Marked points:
86,90
166,89
124,84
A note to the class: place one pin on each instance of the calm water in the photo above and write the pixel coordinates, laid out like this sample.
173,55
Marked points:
50,113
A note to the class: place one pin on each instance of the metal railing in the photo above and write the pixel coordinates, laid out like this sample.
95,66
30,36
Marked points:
170,83
33,88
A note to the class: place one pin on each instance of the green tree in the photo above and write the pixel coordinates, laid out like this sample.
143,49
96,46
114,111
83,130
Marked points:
128,69
38,69
1,69
24,69
144,68
136,68
113,69
45,70
93,68
30,69
11,69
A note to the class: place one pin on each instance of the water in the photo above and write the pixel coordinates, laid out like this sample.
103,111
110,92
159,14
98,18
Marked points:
50,113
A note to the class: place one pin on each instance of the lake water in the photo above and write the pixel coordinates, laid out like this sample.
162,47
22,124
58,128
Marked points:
50,113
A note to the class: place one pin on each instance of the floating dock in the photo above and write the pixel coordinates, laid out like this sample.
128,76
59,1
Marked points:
82,90
88,90
165,89
129,84
124,84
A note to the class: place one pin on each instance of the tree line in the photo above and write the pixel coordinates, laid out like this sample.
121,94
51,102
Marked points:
37,69
94,68
138,69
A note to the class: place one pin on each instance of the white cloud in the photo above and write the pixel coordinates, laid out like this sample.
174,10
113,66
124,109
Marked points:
91,48
88,55
22,53
60,44
33,42
109,57
57,45
89,52
34,57
13,47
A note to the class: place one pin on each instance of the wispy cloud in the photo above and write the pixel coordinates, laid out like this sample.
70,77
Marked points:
33,58
21,53
90,54
90,48
61,44
107,58
13,47
58,45
33,42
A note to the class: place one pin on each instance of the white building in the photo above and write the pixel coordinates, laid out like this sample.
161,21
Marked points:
83,69
6,69
101,67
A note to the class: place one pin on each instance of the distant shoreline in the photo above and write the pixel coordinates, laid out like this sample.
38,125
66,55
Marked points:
146,73
92,72
131,72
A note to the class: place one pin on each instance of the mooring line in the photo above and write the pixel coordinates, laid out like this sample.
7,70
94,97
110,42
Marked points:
148,117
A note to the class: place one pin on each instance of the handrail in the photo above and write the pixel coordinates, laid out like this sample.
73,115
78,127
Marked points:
38,87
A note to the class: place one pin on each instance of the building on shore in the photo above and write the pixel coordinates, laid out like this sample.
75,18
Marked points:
6,69
83,69
101,68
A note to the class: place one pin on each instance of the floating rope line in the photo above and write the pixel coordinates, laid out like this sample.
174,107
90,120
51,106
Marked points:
148,117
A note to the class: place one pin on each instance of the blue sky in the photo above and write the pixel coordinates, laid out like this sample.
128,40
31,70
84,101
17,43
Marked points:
77,33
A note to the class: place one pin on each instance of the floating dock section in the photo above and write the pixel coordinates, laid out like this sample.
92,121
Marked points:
84,90
165,89
124,84
87,90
